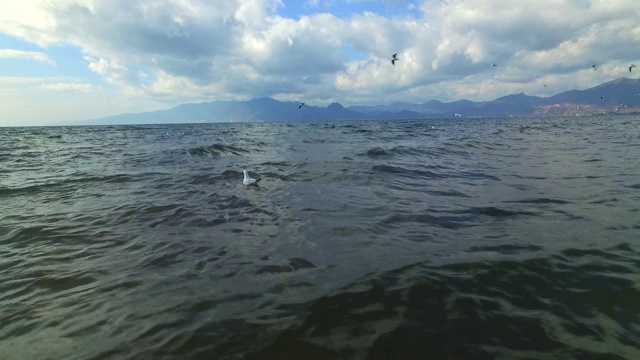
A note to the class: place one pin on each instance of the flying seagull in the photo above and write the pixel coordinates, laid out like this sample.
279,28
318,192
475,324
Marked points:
394,58
631,67
247,179
301,105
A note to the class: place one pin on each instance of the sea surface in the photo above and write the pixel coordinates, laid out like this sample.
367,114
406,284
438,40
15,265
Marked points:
435,239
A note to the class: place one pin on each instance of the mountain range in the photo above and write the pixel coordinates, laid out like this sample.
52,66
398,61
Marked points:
618,96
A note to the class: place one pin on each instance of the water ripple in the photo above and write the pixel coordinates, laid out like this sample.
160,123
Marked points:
445,239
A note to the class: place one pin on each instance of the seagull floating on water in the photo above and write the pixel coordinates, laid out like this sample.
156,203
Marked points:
394,58
631,67
247,179
494,65
301,105
594,67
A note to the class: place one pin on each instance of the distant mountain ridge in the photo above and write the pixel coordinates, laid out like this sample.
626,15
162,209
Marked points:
618,96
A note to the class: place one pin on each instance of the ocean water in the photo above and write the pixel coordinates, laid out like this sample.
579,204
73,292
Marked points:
443,239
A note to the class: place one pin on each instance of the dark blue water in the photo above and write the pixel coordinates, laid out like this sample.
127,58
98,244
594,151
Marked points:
453,239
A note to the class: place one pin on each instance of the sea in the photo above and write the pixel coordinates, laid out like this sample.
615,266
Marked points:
505,238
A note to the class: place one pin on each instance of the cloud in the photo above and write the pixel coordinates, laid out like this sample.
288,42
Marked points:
17,80
29,55
237,49
113,72
65,87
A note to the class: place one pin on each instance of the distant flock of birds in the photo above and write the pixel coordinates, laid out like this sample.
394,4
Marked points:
395,58
594,67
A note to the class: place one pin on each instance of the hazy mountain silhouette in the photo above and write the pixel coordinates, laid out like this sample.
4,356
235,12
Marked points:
575,102
623,90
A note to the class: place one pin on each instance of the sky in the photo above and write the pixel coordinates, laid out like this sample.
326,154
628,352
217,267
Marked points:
69,60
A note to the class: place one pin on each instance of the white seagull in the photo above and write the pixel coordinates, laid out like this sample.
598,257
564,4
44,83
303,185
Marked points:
248,180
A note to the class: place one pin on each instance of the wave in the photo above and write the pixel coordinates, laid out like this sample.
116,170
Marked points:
445,221
416,174
216,150
64,184
227,175
495,212
431,245
439,173
380,153
507,249
549,307
542,200
293,264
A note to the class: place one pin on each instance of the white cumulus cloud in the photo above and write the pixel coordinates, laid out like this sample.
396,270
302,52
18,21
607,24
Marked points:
193,50
83,88
29,55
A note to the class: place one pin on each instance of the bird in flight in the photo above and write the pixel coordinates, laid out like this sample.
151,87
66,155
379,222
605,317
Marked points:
394,58
301,105
631,67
